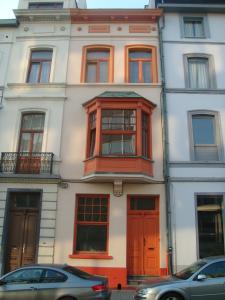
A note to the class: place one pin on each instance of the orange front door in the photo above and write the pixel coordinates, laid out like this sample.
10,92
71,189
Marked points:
143,242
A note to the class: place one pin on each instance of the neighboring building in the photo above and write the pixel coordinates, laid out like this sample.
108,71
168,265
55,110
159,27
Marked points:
111,216
30,132
193,46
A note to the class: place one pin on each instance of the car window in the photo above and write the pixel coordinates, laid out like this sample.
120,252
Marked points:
189,271
77,272
24,276
214,270
53,276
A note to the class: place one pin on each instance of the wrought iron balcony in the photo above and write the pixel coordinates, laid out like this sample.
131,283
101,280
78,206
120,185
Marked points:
26,162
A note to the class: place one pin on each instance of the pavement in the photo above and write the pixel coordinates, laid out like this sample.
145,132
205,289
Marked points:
122,294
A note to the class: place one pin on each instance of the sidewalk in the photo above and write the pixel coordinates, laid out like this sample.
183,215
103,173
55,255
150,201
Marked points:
122,294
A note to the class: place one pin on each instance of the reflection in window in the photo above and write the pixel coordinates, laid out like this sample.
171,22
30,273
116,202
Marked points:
140,66
92,223
210,225
194,27
204,137
40,66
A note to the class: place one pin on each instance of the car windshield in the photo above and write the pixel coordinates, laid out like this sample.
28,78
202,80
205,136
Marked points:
77,272
189,271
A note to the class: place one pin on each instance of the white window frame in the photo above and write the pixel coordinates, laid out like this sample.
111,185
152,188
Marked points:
217,134
206,33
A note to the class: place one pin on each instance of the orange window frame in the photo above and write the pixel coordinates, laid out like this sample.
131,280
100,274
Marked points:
85,61
153,60
76,223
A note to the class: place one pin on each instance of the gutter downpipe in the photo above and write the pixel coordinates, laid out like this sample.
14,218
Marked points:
161,26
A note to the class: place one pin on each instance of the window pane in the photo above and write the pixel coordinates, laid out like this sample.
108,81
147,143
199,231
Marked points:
193,27
147,73
142,203
215,270
53,276
119,119
48,5
97,54
33,76
24,276
45,72
25,142
145,135
133,69
91,238
103,71
118,144
91,73
198,69
210,225
33,122
37,142
203,129
140,54
41,55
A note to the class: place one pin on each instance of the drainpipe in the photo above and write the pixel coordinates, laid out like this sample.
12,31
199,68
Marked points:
161,26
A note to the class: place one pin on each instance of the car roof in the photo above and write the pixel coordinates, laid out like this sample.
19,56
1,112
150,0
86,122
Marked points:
55,266
214,258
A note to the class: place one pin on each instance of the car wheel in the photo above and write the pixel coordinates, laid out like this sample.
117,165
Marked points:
172,296
67,298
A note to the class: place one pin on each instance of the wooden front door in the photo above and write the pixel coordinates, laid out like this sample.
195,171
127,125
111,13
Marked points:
143,236
23,230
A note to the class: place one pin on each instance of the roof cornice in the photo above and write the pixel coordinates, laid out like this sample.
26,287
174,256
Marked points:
114,15
198,8
42,15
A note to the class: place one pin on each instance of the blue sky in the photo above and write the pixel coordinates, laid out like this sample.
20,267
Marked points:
6,6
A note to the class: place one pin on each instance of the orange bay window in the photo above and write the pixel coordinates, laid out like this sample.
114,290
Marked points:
119,134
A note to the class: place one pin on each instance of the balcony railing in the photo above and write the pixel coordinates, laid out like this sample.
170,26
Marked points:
26,163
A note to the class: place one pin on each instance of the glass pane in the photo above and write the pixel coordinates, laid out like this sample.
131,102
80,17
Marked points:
33,76
129,144
26,200
198,69
193,27
25,142
203,129
53,276
97,54
24,276
92,142
119,119
134,69
103,72
140,54
145,135
91,73
33,122
45,72
145,203
147,72
39,55
37,142
210,225
48,5
215,270
91,238
118,144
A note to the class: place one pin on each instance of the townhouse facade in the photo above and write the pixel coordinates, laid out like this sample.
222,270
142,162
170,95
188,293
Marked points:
192,43
81,176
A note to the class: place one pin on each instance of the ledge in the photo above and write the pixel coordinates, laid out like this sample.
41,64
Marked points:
90,256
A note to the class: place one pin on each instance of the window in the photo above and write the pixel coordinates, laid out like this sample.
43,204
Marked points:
91,223
24,276
98,64
45,5
215,270
31,133
205,137
193,27
199,71
51,276
40,66
118,132
210,225
141,64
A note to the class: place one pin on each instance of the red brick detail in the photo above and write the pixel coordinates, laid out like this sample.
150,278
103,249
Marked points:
139,29
115,275
99,28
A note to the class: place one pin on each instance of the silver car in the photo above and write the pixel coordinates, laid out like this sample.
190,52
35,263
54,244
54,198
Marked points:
204,280
53,282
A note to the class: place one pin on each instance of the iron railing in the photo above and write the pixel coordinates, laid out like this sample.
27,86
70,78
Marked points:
26,162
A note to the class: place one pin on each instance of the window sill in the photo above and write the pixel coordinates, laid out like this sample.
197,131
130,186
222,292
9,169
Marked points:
90,256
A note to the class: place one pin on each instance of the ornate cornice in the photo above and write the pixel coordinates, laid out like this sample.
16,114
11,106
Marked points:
25,15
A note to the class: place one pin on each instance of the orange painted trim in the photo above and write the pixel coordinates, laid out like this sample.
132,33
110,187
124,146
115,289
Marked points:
153,50
115,275
124,164
85,16
97,47
90,256
100,28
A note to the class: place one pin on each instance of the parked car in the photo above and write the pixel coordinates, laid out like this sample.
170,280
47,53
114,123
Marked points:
204,280
53,282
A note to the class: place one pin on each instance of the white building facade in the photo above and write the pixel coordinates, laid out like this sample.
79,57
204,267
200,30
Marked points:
193,46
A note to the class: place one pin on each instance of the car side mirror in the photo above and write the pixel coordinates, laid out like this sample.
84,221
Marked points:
201,277
2,282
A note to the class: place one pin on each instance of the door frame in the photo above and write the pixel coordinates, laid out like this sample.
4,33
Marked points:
155,212
7,219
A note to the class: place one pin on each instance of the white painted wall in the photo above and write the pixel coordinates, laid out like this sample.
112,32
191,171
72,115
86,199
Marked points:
6,40
23,4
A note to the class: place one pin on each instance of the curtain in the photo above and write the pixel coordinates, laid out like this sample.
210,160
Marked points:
198,69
